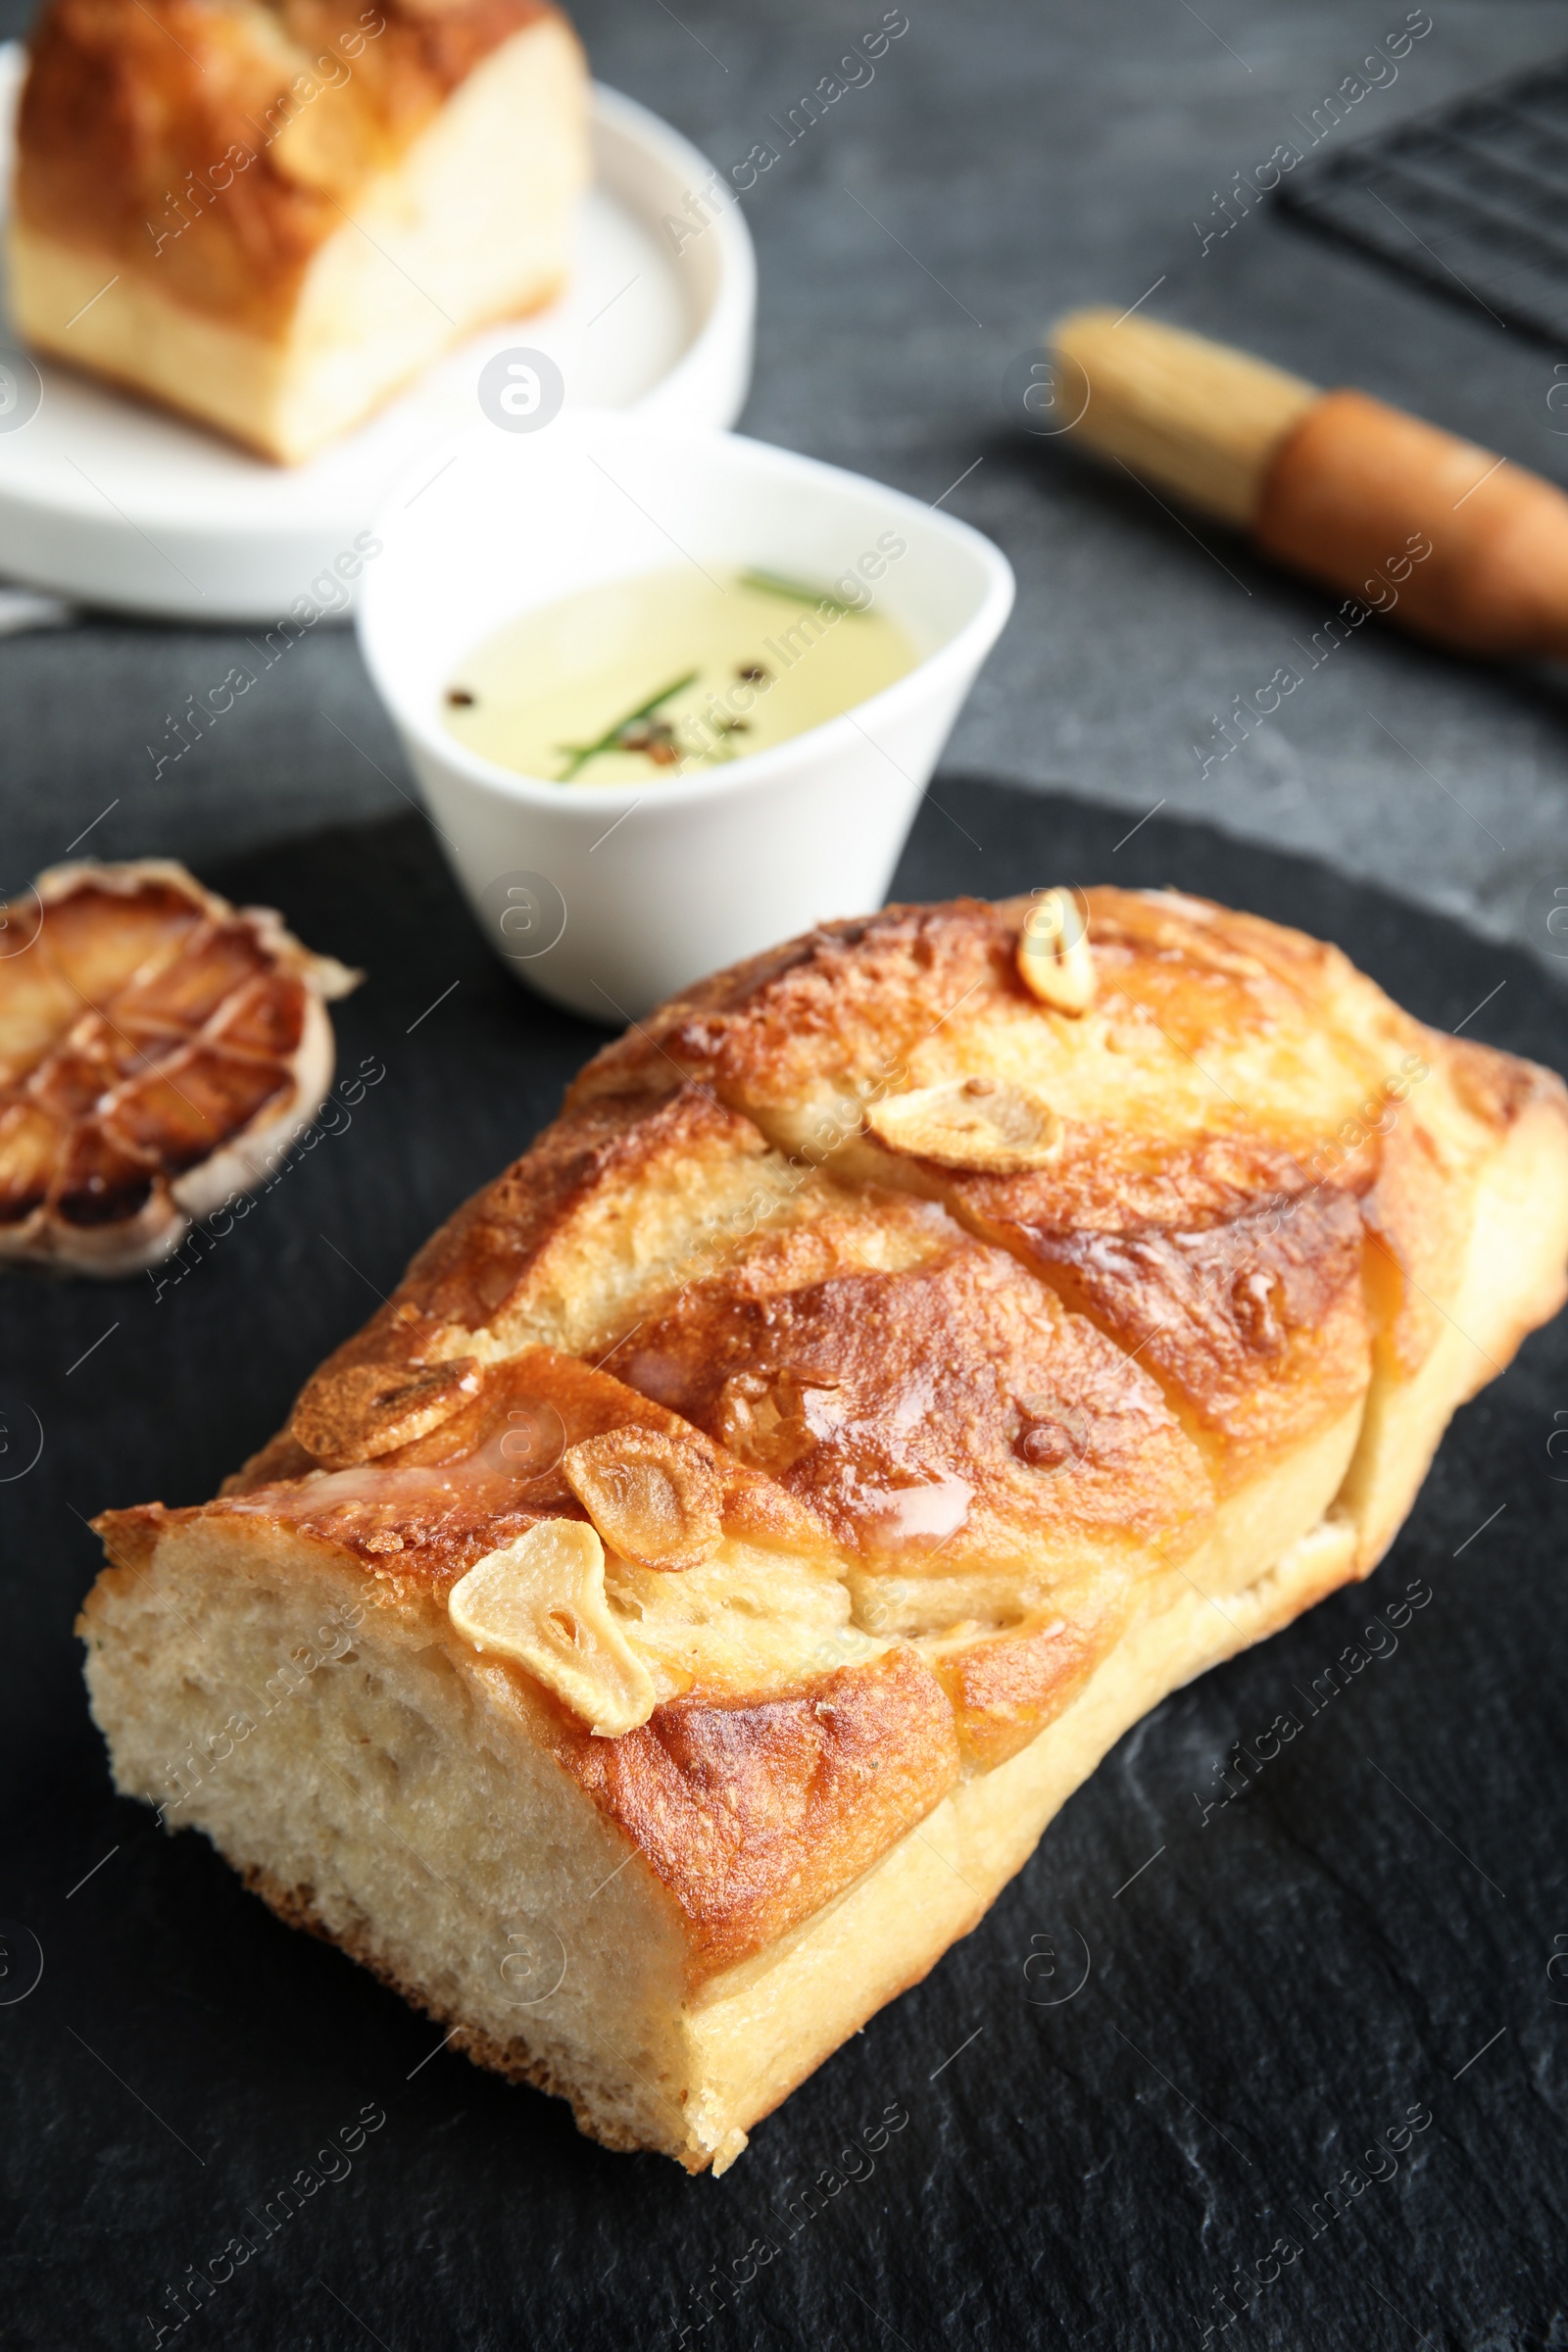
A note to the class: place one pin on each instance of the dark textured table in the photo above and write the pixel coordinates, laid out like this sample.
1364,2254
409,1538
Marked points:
1280,1985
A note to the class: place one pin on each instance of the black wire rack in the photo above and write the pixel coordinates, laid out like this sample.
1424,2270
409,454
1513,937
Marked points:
1472,199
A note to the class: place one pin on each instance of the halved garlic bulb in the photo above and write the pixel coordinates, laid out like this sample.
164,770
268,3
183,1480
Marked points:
160,1050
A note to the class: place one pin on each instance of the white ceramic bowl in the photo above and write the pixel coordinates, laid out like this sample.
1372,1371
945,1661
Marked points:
608,899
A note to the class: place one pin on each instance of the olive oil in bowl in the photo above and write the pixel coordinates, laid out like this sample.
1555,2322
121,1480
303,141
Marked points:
670,673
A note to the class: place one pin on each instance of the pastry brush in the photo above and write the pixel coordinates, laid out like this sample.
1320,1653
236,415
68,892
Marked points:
1452,540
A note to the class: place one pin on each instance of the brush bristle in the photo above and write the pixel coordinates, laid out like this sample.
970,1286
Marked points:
1189,415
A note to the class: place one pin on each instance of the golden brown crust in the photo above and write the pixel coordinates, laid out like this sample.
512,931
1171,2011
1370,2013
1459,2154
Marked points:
478,1264
754,1816
1253,1323
1004,1689
255,123
1256,1180
852,997
420,1515
1218,1064
1495,1087
926,1412
130,1537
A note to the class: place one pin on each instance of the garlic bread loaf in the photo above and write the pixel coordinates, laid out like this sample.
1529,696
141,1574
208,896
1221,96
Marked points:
665,1627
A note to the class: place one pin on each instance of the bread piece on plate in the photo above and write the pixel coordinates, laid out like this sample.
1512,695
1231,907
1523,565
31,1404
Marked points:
270,213
665,1628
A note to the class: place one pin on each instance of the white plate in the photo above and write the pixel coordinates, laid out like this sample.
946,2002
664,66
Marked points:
117,504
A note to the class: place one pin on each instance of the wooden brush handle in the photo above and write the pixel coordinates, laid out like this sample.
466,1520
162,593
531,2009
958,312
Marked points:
1444,537
1359,489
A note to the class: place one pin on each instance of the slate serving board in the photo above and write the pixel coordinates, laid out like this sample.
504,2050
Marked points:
1123,2100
